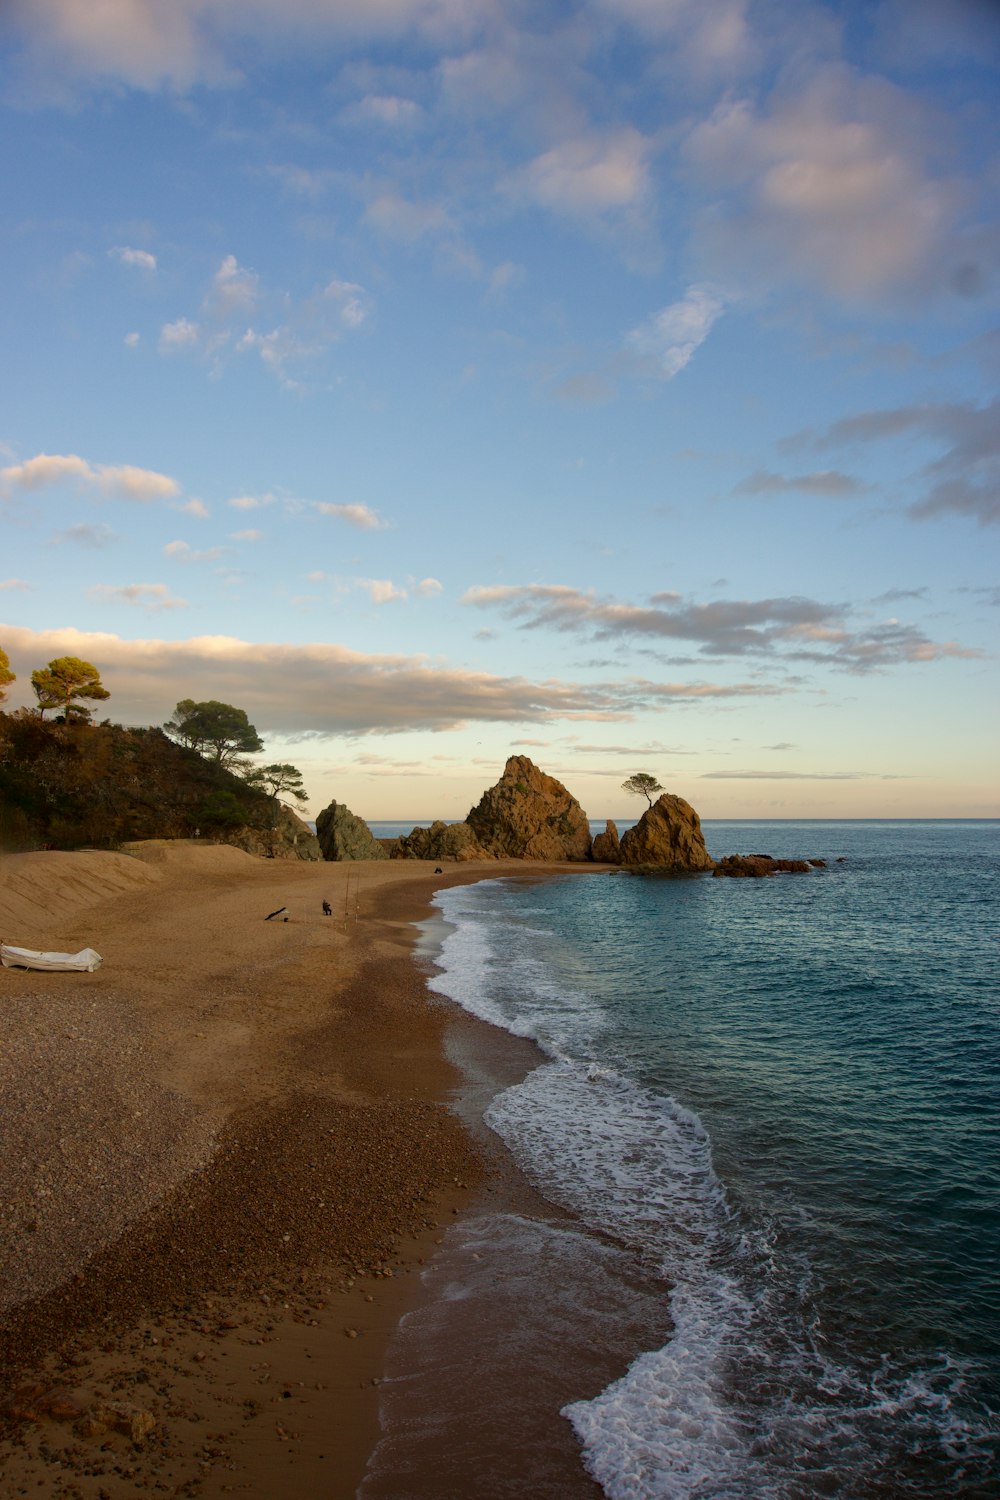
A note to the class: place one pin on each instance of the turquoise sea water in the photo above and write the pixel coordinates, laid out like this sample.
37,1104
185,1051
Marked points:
781,1100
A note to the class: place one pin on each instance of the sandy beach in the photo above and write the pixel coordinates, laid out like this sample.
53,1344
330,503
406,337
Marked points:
227,1153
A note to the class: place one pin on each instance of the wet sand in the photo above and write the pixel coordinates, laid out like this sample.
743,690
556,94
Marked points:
227,1154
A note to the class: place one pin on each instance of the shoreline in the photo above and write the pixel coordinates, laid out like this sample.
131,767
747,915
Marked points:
289,1247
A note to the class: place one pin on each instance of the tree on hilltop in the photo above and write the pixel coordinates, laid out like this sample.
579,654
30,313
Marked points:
6,675
278,780
62,682
642,785
216,730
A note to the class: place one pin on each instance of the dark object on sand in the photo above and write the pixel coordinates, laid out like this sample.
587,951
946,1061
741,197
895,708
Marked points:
281,912
438,870
327,909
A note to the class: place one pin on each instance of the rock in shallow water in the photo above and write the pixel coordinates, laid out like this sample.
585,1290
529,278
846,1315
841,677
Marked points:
668,837
755,866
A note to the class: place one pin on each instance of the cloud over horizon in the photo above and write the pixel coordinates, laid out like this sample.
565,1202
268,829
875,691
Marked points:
785,629
325,689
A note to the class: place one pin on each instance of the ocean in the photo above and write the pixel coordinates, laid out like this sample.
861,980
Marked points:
762,1129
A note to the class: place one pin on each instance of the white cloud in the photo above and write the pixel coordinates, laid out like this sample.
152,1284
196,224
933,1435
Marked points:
139,42
276,350
835,184
45,469
383,109
325,689
134,483
143,260
149,596
154,46
85,536
239,315
382,590
181,334
250,502
131,340
194,507
351,301
246,536
707,39
399,218
124,481
361,516
234,290
185,553
587,174
303,182
13,585
428,586
670,337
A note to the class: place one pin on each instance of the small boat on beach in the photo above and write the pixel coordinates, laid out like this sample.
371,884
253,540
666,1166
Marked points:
87,960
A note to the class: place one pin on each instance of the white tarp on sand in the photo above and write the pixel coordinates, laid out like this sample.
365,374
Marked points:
28,958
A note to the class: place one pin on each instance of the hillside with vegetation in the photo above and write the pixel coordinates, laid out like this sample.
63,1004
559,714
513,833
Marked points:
68,783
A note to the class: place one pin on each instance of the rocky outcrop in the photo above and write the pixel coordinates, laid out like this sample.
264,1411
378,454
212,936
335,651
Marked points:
343,835
755,866
289,838
529,815
455,841
606,849
667,837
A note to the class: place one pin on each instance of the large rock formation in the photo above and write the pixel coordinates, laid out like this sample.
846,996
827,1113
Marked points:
668,836
607,850
529,815
342,835
289,838
440,841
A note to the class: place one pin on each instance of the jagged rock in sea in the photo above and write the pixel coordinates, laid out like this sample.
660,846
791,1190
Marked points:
528,815
755,866
606,849
668,838
454,841
343,835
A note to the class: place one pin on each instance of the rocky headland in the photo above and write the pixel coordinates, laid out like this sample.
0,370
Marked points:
530,815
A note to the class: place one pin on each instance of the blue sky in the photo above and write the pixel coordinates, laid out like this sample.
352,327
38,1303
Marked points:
614,382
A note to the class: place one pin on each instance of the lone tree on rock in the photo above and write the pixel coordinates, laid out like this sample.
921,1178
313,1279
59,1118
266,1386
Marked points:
62,682
642,785
6,675
216,730
279,780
